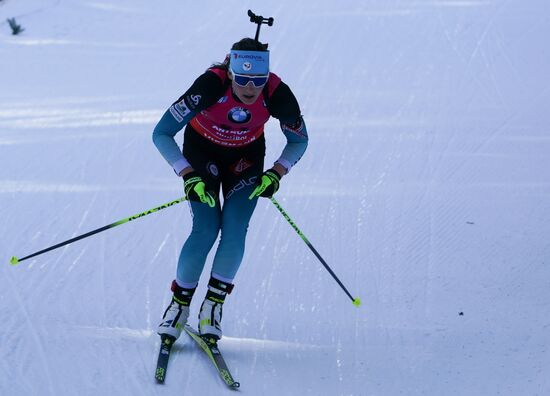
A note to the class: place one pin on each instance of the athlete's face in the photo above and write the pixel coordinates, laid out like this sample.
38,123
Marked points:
247,94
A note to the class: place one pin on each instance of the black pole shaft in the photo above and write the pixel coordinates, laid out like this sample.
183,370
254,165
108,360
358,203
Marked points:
355,301
330,271
16,260
78,238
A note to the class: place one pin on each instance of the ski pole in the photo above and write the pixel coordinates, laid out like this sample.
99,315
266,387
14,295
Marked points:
356,301
14,260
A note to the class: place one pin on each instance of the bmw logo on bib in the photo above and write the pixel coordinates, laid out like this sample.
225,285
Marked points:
239,115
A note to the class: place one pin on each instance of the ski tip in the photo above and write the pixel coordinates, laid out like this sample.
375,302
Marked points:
14,260
357,302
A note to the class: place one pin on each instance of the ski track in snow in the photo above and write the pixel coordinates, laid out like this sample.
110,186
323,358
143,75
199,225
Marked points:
424,187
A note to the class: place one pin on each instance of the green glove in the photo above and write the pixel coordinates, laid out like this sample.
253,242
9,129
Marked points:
267,185
195,189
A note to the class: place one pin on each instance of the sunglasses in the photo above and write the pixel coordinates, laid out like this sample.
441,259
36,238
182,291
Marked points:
242,80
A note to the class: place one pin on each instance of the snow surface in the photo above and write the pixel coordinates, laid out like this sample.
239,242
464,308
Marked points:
426,187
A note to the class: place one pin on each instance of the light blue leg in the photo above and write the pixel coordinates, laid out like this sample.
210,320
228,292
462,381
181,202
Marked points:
236,215
206,224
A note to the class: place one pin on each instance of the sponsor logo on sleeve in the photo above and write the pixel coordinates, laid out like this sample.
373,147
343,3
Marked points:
297,128
179,111
175,114
193,101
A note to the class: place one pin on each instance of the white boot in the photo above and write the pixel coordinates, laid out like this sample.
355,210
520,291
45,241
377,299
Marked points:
175,316
210,315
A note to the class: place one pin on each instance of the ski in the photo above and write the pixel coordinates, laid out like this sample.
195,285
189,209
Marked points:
166,344
210,347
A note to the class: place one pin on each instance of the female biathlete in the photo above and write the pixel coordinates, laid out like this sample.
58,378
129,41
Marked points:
224,113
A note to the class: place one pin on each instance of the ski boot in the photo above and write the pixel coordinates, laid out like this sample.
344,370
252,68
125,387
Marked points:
175,316
210,315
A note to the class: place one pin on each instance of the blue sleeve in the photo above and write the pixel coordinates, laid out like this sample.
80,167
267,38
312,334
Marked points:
296,143
204,92
173,120
283,105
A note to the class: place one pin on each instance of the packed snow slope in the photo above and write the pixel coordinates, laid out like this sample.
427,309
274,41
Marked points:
426,187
